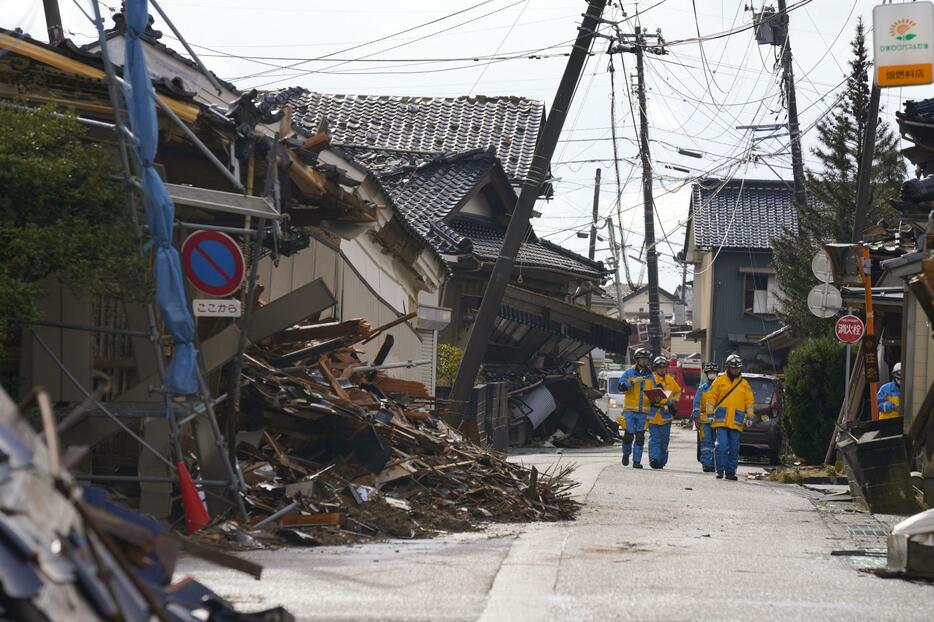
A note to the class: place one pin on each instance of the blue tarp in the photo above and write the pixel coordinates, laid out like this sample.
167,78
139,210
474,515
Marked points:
182,372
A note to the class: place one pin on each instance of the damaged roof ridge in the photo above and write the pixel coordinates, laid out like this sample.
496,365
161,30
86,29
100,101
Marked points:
409,98
477,154
151,37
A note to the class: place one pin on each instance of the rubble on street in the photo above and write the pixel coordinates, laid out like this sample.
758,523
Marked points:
552,407
69,553
335,451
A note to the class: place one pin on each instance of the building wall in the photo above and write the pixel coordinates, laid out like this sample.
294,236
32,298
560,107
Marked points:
638,306
703,299
922,369
727,306
362,289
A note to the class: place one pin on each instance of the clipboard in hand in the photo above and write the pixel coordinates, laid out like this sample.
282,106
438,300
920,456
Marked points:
657,395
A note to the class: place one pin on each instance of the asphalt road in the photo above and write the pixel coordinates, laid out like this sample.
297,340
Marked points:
674,544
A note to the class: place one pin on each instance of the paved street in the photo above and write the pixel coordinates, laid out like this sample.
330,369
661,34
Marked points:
649,545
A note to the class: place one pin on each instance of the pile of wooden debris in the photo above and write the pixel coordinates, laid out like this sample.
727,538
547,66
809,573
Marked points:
69,553
333,450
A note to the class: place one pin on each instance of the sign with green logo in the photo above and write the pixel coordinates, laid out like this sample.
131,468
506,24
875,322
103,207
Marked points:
903,44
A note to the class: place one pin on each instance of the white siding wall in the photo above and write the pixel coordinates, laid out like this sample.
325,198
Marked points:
369,294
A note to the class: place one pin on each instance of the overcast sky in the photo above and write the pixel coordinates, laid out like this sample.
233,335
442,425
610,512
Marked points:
689,107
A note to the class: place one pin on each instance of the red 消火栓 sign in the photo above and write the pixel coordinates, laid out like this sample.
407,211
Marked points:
849,329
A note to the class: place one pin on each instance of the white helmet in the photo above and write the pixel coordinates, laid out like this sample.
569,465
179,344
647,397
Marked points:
897,371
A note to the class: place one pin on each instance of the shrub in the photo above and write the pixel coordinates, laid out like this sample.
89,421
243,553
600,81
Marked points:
449,359
814,385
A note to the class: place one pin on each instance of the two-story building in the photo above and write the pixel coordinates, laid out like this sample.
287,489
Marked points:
735,291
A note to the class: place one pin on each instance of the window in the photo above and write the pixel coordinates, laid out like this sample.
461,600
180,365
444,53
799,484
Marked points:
760,294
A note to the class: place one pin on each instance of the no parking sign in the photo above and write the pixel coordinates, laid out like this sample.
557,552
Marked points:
213,262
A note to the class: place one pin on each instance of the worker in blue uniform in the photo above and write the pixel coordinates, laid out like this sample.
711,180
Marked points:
663,411
731,404
636,408
889,396
705,434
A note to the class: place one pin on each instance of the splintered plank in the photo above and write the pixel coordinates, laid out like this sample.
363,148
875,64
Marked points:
311,520
332,381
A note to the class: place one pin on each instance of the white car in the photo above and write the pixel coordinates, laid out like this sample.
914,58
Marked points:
614,398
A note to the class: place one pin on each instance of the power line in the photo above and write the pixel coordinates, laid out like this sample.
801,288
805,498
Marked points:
386,37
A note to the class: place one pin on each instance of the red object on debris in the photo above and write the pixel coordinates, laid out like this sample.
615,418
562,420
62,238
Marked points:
196,515
849,329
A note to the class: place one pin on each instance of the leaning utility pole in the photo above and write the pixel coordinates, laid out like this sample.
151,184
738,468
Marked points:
794,130
648,203
482,330
53,21
864,171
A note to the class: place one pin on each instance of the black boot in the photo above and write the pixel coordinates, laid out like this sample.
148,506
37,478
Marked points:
708,469
731,476
654,464
719,474
625,459
637,465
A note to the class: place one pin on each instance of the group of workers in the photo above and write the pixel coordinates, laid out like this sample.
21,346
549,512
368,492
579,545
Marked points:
723,405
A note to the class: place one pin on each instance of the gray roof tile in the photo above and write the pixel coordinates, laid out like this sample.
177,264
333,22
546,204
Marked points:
510,125
427,188
741,213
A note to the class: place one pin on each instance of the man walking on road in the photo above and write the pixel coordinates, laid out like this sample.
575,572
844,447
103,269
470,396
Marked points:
663,413
705,439
636,408
730,402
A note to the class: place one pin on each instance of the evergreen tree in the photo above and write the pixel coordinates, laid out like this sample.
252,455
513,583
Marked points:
830,213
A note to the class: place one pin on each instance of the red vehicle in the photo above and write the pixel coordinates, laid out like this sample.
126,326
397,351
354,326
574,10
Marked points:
687,375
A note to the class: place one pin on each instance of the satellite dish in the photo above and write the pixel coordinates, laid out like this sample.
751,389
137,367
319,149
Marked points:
824,300
821,267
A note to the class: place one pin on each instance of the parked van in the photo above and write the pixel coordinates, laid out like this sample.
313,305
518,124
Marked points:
687,374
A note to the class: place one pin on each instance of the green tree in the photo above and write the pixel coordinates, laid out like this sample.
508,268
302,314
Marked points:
829,215
814,385
62,216
449,359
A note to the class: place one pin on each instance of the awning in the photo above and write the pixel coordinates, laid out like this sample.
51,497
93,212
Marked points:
564,319
890,297
227,202
696,335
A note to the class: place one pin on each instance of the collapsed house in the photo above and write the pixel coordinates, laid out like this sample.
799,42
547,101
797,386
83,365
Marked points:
336,230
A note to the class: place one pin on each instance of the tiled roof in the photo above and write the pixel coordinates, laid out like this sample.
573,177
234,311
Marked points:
510,125
152,36
426,188
741,213
487,238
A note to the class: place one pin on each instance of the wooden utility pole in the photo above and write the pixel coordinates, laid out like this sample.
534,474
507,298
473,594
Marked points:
639,48
593,220
482,330
864,172
53,21
794,130
592,253
620,303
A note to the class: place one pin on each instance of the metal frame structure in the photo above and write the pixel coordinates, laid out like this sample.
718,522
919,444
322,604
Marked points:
264,210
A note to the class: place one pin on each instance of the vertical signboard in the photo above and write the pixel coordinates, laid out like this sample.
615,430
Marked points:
903,44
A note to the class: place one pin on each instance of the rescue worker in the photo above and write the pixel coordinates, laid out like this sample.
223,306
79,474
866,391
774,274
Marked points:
889,396
663,411
705,434
636,408
730,403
